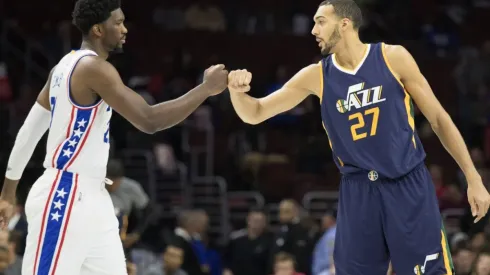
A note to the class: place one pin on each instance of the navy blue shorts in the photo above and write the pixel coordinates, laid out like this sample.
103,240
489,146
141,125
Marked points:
382,220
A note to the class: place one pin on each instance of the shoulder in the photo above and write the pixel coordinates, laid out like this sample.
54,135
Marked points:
309,78
399,60
238,234
130,183
395,52
95,66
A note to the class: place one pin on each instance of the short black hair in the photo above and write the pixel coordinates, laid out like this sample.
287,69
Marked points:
90,12
346,9
115,169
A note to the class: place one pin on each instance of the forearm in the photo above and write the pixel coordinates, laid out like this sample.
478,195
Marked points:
172,112
34,127
452,140
9,190
246,107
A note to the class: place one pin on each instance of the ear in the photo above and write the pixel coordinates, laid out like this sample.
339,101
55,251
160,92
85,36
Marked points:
97,29
344,23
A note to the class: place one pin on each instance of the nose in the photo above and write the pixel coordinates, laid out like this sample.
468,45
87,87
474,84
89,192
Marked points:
314,31
124,29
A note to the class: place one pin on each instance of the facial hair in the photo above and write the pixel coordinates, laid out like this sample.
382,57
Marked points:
332,41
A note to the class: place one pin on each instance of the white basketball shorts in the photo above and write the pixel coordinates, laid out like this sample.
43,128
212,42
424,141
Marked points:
72,227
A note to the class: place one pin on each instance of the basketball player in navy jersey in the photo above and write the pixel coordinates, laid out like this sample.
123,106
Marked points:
387,204
69,233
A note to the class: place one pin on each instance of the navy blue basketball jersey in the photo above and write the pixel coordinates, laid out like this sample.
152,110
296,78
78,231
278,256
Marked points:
368,116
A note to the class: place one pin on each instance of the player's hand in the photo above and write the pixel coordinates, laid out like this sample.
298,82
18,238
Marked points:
216,78
478,197
6,210
239,81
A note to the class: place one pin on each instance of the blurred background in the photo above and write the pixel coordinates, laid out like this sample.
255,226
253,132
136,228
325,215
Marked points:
214,195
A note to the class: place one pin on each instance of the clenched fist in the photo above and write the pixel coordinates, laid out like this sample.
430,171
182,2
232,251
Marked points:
239,81
216,78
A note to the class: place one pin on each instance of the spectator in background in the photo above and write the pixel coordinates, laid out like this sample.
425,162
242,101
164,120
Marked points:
188,225
18,223
198,243
437,179
292,237
463,259
4,259
5,89
482,264
205,17
284,264
172,260
323,254
128,198
248,249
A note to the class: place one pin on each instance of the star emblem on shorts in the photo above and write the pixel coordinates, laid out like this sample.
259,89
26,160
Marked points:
58,204
67,153
55,216
61,193
72,143
78,133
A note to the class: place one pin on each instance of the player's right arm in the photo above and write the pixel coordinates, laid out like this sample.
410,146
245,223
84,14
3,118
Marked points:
256,110
105,81
33,129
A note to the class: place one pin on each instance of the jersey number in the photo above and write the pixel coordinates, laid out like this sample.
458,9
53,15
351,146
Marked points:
106,134
360,123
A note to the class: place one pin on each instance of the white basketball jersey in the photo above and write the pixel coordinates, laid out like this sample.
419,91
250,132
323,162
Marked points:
78,139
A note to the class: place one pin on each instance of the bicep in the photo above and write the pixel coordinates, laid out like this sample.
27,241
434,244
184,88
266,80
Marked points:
300,86
109,86
417,85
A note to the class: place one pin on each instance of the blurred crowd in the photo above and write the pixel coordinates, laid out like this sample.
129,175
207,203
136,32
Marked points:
286,157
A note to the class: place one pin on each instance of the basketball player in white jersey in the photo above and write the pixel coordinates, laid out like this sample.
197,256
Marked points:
72,225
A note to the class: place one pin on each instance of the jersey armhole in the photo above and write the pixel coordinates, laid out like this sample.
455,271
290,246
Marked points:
320,96
72,102
388,65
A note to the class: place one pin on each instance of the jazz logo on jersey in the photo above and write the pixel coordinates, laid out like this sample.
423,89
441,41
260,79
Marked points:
358,98
419,270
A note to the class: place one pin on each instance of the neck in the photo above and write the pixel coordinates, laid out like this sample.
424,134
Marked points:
168,271
97,48
351,53
253,234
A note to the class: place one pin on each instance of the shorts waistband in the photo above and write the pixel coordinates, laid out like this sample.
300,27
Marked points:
89,182
375,176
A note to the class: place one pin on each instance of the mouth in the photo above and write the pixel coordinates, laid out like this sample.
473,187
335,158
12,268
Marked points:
319,42
123,40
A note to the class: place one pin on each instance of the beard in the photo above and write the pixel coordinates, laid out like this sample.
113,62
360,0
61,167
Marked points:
117,49
331,43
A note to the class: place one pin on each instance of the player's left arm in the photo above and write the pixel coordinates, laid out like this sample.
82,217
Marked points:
406,70
33,129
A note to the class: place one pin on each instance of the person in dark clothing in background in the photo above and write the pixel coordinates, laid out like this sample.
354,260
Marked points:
128,198
292,238
188,225
248,249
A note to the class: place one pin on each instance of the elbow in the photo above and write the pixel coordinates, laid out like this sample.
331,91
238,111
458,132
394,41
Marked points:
440,119
147,124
